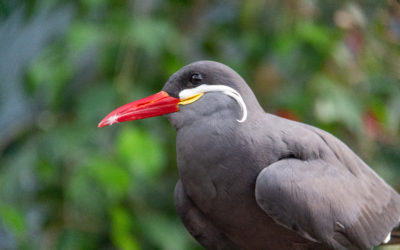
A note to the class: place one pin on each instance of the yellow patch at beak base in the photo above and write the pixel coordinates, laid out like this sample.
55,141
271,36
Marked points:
190,99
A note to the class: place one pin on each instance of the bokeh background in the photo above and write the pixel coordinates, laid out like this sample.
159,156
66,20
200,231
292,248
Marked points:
64,65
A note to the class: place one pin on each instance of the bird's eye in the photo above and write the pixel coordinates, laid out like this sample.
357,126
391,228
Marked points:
196,78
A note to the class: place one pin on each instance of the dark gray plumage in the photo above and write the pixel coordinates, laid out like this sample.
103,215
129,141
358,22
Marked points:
268,182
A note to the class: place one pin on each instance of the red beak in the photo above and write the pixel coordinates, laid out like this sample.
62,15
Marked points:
154,105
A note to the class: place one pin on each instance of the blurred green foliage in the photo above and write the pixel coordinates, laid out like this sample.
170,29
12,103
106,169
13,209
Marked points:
64,184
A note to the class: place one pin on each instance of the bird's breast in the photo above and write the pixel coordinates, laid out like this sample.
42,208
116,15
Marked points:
217,168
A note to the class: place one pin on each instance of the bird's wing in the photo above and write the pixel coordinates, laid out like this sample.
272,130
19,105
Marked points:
327,201
197,223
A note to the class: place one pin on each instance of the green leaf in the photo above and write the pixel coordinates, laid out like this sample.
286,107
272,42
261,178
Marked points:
150,34
13,219
84,35
320,37
336,104
164,232
121,230
112,178
141,151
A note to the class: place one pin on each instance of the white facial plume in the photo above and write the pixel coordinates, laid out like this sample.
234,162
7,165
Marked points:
204,88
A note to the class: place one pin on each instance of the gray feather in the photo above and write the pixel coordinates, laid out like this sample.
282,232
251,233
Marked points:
270,183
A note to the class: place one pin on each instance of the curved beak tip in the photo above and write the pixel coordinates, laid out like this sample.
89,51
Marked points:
155,105
102,124
108,120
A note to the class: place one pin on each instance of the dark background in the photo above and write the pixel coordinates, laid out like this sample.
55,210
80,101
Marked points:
64,65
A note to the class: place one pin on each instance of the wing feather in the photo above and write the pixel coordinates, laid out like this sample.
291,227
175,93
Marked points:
335,199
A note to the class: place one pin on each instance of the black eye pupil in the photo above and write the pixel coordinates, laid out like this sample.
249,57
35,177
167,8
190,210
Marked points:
196,78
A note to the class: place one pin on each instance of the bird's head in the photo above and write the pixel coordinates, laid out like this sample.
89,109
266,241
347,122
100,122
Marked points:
198,89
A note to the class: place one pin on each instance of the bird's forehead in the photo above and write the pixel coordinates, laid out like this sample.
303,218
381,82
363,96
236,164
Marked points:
209,67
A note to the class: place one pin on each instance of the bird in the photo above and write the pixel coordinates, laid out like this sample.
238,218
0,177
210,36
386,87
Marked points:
253,180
